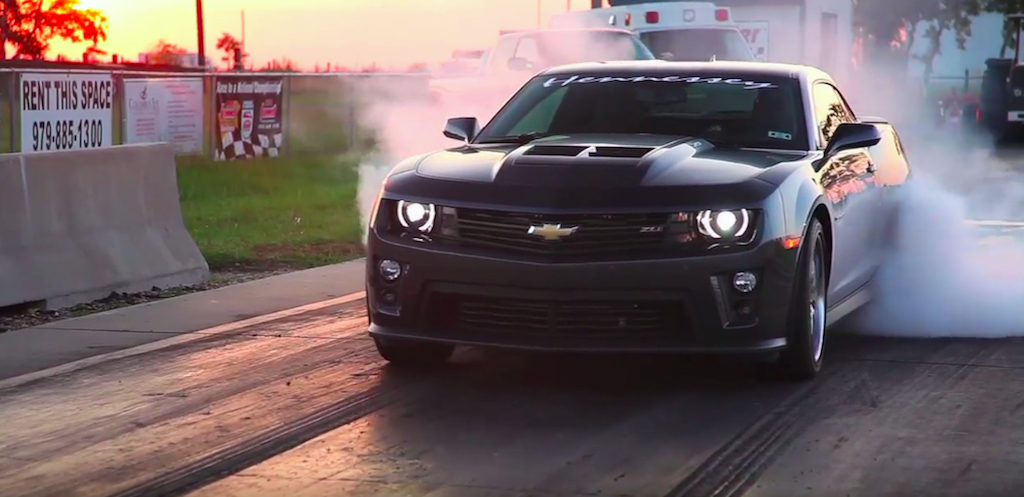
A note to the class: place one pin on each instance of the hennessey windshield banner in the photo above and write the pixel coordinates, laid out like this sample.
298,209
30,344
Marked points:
571,80
249,117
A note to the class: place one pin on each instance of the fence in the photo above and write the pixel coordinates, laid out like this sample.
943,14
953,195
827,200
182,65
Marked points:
966,83
218,115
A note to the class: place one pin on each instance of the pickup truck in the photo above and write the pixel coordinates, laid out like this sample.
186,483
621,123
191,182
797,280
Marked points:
519,55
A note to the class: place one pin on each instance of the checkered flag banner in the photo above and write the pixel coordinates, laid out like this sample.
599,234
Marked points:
232,146
249,117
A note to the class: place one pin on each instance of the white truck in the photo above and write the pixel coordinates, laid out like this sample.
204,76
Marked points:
682,31
813,32
518,55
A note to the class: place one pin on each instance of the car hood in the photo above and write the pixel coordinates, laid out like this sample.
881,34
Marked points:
601,161
604,172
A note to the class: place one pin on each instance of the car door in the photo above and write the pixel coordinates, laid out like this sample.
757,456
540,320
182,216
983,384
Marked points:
848,178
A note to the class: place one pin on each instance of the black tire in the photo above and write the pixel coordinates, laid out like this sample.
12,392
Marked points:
804,353
409,354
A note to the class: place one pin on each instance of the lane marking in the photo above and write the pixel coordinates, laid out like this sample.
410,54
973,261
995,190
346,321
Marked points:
997,240
996,223
177,340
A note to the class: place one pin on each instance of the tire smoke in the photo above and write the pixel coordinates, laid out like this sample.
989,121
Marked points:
957,266
407,118
949,275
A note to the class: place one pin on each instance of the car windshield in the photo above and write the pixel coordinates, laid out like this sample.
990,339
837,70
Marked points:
738,110
698,44
554,48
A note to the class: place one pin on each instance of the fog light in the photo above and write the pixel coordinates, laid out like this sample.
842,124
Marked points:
744,281
388,297
744,309
389,270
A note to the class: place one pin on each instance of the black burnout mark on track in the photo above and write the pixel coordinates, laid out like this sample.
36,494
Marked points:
231,460
242,364
857,380
732,469
563,427
260,448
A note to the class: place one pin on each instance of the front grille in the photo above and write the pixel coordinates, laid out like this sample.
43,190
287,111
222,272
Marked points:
488,314
595,234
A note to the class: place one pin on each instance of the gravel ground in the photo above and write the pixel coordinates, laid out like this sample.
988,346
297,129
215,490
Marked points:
13,319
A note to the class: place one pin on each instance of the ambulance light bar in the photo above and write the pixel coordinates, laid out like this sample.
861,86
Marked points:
654,17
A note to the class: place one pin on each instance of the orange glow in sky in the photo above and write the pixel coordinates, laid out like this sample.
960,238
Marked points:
350,33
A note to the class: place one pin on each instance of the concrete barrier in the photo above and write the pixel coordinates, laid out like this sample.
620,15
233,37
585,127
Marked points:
78,225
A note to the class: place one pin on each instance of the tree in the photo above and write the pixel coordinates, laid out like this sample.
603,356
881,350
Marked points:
230,46
165,52
1009,28
948,16
889,28
32,25
165,47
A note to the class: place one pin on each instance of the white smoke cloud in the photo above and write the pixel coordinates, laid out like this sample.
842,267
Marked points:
948,277
408,122
945,279
958,266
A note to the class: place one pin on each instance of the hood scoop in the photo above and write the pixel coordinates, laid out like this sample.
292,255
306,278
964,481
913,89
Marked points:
555,150
584,151
575,166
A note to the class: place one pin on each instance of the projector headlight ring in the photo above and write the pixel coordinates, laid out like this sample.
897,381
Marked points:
724,225
416,216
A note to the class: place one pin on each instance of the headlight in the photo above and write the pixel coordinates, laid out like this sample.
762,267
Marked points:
724,225
713,229
416,216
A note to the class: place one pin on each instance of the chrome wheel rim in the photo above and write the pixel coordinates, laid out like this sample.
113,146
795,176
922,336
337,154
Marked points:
816,303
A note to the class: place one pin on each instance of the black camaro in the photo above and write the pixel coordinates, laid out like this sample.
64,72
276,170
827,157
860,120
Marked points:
644,206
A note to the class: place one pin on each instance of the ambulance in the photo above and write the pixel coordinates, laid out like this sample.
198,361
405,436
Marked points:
818,33
682,31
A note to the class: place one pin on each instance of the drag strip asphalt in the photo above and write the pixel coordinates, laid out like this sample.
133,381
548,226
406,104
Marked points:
301,405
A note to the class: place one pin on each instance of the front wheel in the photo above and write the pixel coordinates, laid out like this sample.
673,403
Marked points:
409,354
803,356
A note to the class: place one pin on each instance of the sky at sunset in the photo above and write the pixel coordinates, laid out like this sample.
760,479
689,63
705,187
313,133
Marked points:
353,33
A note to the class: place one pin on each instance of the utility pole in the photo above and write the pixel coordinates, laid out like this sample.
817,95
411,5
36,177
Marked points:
596,4
200,30
538,14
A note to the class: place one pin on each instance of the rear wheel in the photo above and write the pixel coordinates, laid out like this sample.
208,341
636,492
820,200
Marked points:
805,348
411,354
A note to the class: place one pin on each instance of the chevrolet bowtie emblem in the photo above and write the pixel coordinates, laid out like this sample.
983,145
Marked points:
552,231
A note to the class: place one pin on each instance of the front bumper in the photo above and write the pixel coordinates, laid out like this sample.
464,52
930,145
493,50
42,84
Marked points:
664,305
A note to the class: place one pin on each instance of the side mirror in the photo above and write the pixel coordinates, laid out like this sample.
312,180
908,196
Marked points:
853,135
519,64
461,128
